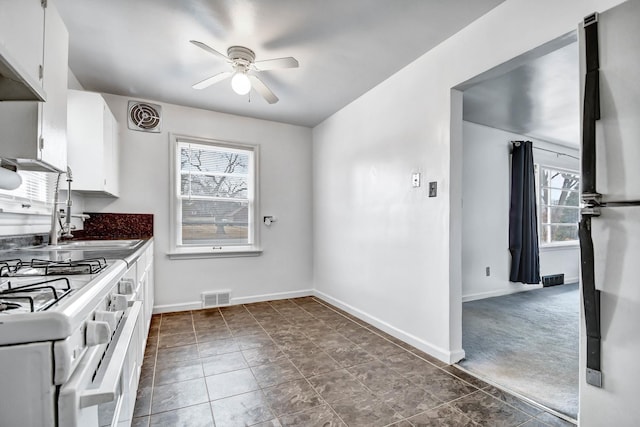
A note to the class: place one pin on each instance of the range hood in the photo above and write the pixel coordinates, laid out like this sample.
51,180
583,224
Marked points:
15,83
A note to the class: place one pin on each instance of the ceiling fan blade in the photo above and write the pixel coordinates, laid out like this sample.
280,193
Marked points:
209,49
211,80
262,89
272,64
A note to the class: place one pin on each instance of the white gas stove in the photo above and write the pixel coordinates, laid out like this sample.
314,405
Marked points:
65,333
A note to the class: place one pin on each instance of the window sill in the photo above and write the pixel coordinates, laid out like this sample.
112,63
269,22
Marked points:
213,253
559,246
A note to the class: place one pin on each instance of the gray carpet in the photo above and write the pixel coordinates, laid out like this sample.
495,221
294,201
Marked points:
527,342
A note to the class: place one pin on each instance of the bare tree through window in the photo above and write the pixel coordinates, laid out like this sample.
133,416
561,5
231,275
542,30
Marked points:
215,192
559,205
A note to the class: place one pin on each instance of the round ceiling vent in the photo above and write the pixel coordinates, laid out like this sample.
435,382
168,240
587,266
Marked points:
144,117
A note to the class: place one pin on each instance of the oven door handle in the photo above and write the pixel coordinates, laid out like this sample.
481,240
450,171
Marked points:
107,391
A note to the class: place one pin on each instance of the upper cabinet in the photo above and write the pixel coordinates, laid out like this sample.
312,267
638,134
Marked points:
92,133
33,134
22,24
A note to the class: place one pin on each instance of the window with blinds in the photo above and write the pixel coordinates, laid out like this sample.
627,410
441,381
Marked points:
214,194
36,191
559,205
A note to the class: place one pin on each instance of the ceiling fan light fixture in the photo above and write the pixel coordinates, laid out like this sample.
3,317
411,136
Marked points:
240,83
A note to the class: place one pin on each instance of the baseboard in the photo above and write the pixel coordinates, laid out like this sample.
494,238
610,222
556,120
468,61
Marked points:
498,293
168,308
433,350
197,305
270,297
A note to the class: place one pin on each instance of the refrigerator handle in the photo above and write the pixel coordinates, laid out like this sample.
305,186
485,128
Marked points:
592,200
591,301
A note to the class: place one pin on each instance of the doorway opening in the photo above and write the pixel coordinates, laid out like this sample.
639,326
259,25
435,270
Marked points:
523,337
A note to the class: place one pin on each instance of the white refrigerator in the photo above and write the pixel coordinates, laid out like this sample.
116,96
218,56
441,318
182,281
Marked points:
610,394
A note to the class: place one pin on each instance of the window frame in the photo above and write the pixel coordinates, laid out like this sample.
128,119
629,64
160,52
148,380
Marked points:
538,177
177,248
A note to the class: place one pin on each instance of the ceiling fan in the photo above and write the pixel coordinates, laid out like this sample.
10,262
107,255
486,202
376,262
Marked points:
245,67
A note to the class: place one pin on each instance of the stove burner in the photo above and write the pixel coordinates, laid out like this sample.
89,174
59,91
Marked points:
41,267
39,295
9,266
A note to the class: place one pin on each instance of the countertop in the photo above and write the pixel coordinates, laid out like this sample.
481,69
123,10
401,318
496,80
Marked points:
129,255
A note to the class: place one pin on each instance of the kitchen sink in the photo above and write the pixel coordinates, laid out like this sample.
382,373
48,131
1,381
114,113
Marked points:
89,245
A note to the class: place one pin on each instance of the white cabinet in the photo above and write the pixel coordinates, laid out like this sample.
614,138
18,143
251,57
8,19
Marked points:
92,133
33,134
144,268
22,24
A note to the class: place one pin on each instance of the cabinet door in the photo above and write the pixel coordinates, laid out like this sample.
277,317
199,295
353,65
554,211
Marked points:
33,130
110,152
22,34
85,132
53,143
93,151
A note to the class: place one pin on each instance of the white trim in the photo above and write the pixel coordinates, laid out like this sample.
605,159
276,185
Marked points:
498,293
186,252
197,305
271,297
230,253
431,349
169,308
560,246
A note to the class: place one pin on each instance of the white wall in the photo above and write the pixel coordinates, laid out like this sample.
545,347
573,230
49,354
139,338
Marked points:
285,267
382,249
485,213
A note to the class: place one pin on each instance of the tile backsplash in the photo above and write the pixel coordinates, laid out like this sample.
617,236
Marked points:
104,226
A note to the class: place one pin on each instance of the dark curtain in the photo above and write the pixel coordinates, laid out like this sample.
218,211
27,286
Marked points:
523,220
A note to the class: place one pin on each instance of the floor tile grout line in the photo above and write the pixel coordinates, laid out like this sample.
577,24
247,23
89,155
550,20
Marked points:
330,329
248,367
480,390
329,306
206,386
508,404
294,365
524,399
377,359
153,379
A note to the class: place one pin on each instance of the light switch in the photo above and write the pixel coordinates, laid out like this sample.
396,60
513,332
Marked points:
433,189
415,180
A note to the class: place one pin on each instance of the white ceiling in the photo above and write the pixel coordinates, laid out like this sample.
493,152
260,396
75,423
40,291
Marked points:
140,48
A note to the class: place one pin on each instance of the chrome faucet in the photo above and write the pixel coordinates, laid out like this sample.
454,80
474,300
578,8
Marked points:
65,229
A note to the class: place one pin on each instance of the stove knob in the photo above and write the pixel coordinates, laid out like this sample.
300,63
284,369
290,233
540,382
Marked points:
118,302
97,333
110,317
126,287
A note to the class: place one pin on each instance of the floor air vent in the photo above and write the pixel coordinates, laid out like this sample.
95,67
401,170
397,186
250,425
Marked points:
216,299
552,280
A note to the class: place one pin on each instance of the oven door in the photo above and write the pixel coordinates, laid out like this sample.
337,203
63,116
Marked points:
102,390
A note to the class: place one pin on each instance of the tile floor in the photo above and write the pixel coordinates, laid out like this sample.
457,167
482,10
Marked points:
302,362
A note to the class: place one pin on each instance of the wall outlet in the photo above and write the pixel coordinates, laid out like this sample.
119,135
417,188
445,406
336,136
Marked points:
488,271
433,189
